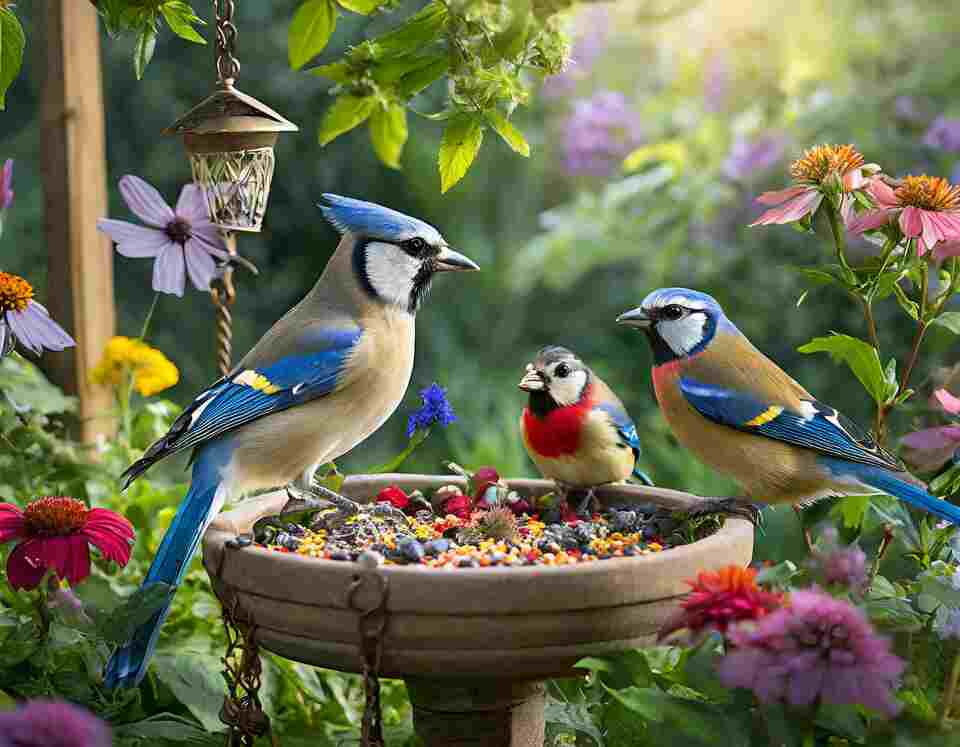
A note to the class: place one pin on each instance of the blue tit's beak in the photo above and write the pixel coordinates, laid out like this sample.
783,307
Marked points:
533,380
635,318
450,261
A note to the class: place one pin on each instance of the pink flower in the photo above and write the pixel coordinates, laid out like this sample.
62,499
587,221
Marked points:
56,533
815,648
947,401
458,505
184,241
6,184
394,496
52,723
840,565
825,167
926,208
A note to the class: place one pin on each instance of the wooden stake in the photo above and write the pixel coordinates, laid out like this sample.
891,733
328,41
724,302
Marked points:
74,168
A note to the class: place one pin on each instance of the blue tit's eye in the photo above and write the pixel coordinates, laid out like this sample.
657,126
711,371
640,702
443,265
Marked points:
562,371
671,312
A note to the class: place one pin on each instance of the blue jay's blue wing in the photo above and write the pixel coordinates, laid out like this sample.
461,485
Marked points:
627,432
251,393
817,427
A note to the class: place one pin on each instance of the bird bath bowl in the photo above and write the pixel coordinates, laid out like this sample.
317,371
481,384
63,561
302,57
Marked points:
473,644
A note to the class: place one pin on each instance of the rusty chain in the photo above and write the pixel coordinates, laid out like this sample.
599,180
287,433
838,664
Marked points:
224,293
242,710
228,67
372,625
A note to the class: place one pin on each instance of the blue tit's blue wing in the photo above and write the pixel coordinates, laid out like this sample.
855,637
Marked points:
816,426
627,431
251,393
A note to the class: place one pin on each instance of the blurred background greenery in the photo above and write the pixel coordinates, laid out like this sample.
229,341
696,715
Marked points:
712,104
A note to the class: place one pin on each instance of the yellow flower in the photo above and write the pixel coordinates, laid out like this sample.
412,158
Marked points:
152,371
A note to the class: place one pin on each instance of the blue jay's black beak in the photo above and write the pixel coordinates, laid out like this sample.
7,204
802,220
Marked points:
635,318
450,261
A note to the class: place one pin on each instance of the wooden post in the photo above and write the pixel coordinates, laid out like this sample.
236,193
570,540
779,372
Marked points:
74,168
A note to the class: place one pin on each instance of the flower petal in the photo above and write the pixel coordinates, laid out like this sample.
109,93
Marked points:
946,249
145,201
169,271
933,438
111,533
192,205
34,328
782,195
22,571
947,401
200,265
211,237
867,221
792,210
853,179
932,232
133,240
910,221
11,522
68,556
882,193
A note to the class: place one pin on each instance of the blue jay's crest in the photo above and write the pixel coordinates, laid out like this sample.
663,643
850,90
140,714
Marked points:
689,299
374,221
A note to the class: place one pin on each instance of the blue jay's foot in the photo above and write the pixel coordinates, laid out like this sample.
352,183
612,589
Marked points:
299,499
732,507
589,505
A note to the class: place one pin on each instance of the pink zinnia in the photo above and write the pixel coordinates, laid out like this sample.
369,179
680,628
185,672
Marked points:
926,208
56,533
816,648
840,565
825,167
52,723
183,240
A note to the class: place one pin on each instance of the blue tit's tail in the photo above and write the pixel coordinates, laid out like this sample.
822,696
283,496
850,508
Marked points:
893,484
203,501
642,476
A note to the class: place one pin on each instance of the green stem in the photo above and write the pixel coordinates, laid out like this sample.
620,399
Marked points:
415,440
149,317
950,690
839,237
918,338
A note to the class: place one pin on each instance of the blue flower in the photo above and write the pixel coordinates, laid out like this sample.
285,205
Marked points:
435,409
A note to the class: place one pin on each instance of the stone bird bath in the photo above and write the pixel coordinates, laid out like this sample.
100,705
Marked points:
473,645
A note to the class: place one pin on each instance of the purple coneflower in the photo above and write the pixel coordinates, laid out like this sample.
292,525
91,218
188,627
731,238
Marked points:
25,321
817,648
183,240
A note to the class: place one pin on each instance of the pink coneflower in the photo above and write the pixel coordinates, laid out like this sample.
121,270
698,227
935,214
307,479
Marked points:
825,167
718,600
52,723
927,208
56,534
184,241
817,648
26,321
931,447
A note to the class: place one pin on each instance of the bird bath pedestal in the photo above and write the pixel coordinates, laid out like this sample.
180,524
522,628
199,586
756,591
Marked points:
473,645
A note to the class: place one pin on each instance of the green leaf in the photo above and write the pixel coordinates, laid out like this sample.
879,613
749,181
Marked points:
890,380
310,30
27,389
143,51
180,18
338,72
908,305
461,142
861,357
415,81
346,113
165,726
778,576
363,7
195,680
123,622
418,30
510,134
388,131
949,320
12,42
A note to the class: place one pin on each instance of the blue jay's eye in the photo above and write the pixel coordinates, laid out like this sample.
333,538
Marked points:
416,245
671,312
562,371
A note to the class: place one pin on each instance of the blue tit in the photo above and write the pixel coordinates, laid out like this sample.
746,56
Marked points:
320,381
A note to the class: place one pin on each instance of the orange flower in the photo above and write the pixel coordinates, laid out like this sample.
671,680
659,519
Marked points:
717,600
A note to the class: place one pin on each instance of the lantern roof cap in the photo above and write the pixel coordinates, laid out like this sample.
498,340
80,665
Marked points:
230,110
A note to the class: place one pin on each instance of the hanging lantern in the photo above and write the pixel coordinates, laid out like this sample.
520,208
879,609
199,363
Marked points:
229,137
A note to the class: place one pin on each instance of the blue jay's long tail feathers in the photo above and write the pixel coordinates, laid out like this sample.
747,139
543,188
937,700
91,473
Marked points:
128,665
642,477
891,484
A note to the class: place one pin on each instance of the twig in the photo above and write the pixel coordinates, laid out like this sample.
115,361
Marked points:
950,690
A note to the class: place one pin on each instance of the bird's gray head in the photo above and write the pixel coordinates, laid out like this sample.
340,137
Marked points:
555,378
395,256
678,322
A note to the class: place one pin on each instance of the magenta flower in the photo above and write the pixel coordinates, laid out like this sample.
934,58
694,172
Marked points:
184,241
816,648
6,184
840,565
56,533
823,168
926,208
25,321
52,723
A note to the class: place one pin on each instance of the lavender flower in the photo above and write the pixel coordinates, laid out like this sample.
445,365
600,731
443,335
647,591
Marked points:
750,157
912,109
435,409
716,82
840,565
6,184
600,131
587,48
948,625
184,241
51,723
817,647
944,134
25,321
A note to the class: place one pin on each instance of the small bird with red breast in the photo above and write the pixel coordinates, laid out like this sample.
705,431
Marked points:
575,429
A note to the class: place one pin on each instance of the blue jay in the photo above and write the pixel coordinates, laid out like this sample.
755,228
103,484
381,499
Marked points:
742,415
322,379
575,429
